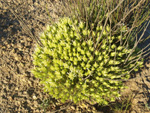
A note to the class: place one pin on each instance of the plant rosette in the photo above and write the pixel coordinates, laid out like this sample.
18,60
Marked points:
70,68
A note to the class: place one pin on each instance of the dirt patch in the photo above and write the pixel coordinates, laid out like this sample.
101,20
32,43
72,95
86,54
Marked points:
20,91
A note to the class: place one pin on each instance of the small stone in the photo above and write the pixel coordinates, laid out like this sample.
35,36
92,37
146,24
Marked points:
16,88
37,111
72,107
34,97
3,39
8,46
25,93
19,46
35,104
133,112
10,98
148,65
16,57
17,103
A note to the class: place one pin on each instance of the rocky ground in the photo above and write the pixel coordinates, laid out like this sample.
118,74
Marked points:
21,92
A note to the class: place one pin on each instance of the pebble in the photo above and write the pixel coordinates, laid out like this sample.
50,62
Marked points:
34,97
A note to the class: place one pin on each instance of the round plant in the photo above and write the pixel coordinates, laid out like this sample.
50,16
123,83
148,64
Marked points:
72,68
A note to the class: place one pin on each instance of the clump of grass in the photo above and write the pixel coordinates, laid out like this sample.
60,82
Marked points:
124,105
87,55
127,17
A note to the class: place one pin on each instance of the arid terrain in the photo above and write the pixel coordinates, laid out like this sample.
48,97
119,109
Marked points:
20,91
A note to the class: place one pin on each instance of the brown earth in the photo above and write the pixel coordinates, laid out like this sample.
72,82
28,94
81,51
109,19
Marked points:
21,92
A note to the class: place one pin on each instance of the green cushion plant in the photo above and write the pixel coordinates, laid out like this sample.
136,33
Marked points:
71,68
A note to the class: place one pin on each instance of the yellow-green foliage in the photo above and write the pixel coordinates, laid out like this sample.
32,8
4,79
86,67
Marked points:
71,69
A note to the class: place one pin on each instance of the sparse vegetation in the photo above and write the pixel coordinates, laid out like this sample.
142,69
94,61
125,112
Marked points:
104,33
